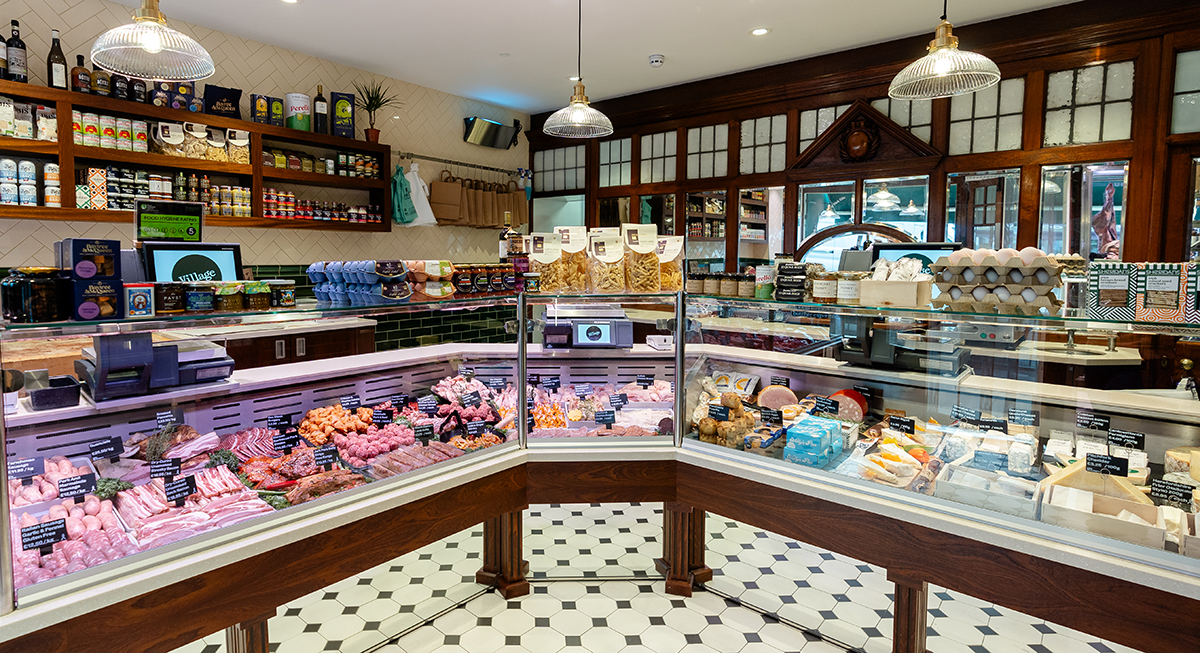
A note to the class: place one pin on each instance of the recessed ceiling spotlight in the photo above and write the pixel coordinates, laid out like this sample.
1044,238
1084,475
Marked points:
290,2
758,31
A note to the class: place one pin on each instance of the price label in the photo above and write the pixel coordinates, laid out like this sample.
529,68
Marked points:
351,402
989,424
1060,446
476,428
1023,417
381,416
1103,464
618,401
466,371
428,405
607,418
168,468
990,460
781,380
496,384
1170,491
964,413
1094,421
325,456
867,392
75,487
399,401
279,422
645,380
44,536
551,383
180,489
1137,459
826,405
772,417
165,418
25,468
110,449
470,400
533,379
285,440
583,389
424,432
719,413
903,424
1126,439
1085,446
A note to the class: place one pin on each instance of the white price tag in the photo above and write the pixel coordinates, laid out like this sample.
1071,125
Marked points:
1084,446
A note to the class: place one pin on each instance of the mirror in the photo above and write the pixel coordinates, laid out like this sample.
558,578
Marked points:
705,220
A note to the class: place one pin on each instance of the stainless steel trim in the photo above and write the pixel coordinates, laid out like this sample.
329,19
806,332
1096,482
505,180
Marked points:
680,364
522,410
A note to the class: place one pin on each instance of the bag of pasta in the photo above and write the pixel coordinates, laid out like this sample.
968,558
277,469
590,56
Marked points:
545,256
573,241
670,262
195,140
606,264
642,272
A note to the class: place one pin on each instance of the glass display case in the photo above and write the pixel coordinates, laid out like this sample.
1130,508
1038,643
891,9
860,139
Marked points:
981,208
899,202
1083,208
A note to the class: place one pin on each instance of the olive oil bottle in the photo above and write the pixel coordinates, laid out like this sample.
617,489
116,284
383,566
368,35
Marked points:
320,112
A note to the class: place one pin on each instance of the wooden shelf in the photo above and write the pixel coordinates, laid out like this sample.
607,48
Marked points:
317,179
56,213
754,241
701,239
30,146
161,160
747,200
706,216
275,223
91,215
754,220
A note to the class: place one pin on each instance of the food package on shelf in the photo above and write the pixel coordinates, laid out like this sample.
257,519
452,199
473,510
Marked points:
671,263
430,291
1166,293
195,140
574,260
216,141
899,283
420,271
606,264
813,441
743,385
167,138
545,258
1112,290
1004,281
642,270
238,143
764,441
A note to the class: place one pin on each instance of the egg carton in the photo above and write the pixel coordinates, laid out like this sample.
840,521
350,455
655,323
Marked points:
1015,305
979,273
1011,288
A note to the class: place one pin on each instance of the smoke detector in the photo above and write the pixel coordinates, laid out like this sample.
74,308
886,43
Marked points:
657,60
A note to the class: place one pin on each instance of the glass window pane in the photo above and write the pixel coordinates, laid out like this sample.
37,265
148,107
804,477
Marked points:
721,137
985,136
778,157
1087,125
1187,71
627,149
900,113
762,159
779,128
626,172
1118,117
1058,89
762,131
747,132
560,158
961,106
922,112
706,139
1120,81
670,138
746,161
721,165
1185,115
881,104
668,172
1012,95
560,180
922,133
825,118
842,109
659,174
808,125
647,147
645,175
706,164
885,200
693,144
1058,127
539,182
1088,84
1008,136
987,101
538,158
960,138
804,145
693,166
604,152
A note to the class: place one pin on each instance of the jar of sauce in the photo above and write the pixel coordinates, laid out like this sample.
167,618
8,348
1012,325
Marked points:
283,293
199,297
169,298
533,282
496,279
746,286
482,280
464,280
729,285
695,284
825,287
712,284
229,298
258,296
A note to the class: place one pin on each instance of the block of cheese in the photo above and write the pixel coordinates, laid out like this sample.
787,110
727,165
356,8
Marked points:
1179,459
1069,497
1076,476
1194,468
1125,515
1174,521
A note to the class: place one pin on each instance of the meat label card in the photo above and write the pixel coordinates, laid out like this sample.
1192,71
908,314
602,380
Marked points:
180,489
866,392
43,535
476,428
283,441
424,432
325,456
1023,417
351,402
583,390
381,417
551,383
606,417
466,371
1086,420
781,380
826,405
719,413
76,486
279,422
962,412
399,401
1170,491
1112,465
24,468
428,405
168,468
645,380
532,379
903,424
470,400
496,384
772,417
618,401
1126,439
165,418
110,449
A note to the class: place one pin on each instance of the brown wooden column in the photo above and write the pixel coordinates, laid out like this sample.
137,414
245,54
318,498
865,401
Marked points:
248,636
504,566
909,612
683,549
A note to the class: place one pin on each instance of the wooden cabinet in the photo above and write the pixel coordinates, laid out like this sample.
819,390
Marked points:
262,351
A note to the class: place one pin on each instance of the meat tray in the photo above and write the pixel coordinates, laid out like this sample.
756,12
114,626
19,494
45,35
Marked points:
42,506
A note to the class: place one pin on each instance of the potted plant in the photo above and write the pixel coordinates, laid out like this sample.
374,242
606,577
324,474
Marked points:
373,97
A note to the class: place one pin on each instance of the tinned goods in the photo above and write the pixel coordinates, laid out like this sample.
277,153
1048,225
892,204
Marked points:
53,196
139,300
27,194
764,281
8,170
26,172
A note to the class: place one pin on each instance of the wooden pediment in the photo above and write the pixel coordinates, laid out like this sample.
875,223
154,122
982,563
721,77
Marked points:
863,142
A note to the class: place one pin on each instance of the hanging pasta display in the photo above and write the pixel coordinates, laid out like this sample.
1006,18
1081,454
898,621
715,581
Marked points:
606,264
642,271
574,259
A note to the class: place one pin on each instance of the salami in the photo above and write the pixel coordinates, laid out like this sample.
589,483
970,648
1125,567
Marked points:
852,406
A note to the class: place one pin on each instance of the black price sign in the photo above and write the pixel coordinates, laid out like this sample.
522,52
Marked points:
903,424
867,393
167,468
772,417
533,379
110,449
476,428
719,413
1023,417
428,405
279,423
583,389
44,536
399,401
990,460
645,380
607,418
1170,491
423,432
351,402
470,400
496,384
964,413
325,456
989,424
551,383
1102,464
75,487
285,440
1087,420
165,418
180,489
25,469
826,405
618,401
466,371
781,380
381,416
1126,439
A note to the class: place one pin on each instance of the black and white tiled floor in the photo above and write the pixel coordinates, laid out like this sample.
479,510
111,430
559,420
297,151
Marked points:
595,591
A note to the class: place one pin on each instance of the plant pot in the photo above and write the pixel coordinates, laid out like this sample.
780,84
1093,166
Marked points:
372,135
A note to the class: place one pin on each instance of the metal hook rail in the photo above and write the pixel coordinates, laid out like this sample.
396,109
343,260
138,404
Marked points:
463,164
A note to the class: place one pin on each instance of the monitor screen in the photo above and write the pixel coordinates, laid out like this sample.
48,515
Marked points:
193,261
925,252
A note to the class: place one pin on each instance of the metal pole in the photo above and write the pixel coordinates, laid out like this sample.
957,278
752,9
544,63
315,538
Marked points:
522,412
8,602
680,365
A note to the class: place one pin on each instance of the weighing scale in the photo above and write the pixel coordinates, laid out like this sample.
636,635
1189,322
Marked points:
580,326
901,345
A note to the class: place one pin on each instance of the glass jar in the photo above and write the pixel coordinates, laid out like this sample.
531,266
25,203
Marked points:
229,298
496,279
729,285
169,298
848,287
712,284
464,280
482,280
283,293
258,296
746,286
199,297
139,300
42,295
825,287
695,284
533,282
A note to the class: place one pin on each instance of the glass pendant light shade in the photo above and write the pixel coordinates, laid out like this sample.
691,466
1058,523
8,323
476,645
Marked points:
912,209
148,49
578,119
944,72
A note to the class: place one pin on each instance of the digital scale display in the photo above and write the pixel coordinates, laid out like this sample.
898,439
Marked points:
594,334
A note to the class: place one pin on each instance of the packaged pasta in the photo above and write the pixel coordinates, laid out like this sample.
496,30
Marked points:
545,254
195,140
167,138
216,145
670,262
574,261
239,146
642,272
606,264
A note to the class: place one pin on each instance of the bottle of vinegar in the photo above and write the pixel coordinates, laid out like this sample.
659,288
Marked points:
81,77
320,112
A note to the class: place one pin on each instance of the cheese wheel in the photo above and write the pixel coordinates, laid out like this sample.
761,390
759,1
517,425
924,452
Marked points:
1178,459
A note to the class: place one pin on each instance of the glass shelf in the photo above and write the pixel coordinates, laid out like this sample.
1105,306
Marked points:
624,298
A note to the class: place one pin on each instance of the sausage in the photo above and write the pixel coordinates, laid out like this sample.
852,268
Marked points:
91,506
75,527
92,523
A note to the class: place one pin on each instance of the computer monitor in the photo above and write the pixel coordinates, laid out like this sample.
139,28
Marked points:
192,261
927,253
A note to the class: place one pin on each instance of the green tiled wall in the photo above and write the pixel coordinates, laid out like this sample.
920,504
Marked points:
405,330
294,272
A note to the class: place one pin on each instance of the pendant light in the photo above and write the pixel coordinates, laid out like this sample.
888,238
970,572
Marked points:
578,119
912,209
944,72
148,49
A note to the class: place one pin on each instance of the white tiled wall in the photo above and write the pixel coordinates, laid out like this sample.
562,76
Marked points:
430,123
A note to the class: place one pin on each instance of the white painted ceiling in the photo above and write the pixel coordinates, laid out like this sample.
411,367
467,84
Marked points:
519,53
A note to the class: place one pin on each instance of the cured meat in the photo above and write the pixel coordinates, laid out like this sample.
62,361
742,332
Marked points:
776,397
194,447
251,443
319,485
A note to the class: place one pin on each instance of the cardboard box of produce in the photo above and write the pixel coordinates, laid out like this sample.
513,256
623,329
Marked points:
901,294
1102,519
955,483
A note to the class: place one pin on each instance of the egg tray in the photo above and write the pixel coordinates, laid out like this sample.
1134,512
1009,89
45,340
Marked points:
1013,288
992,304
1003,278
1028,272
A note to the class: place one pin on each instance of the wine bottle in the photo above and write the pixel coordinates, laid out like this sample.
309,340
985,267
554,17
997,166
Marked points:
56,64
18,71
320,112
510,239
81,77
3,62
101,82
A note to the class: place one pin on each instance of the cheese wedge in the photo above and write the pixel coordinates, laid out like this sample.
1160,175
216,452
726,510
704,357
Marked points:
1194,469
1076,476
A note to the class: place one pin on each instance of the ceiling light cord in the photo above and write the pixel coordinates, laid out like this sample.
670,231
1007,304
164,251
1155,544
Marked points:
579,50
945,6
